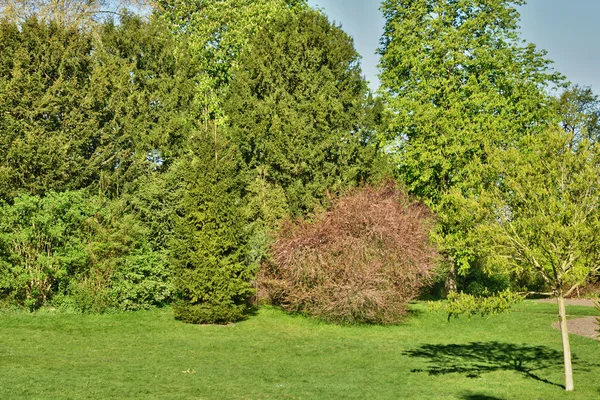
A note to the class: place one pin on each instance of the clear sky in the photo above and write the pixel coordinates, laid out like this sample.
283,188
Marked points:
567,29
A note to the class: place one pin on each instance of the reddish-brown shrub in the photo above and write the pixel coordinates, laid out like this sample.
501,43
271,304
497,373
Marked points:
361,262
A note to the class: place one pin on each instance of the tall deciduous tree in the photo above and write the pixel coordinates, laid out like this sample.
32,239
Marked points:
458,82
544,215
579,110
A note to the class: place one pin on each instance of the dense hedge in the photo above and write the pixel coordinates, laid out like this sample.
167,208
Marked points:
136,169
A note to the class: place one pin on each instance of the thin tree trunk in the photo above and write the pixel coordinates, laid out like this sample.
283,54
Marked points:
450,284
562,317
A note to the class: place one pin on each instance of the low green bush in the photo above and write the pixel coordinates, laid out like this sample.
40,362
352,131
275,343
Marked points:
43,245
78,252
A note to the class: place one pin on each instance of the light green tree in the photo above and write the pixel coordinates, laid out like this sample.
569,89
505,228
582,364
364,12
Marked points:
579,110
217,32
458,83
543,215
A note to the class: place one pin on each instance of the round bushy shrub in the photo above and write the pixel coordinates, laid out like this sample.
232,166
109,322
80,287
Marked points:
361,262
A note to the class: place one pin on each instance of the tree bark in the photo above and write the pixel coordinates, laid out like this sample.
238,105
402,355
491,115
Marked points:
450,284
562,317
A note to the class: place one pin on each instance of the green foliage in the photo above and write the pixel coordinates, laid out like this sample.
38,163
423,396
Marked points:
484,304
218,32
579,110
209,246
479,283
107,111
144,91
295,109
44,70
78,252
87,110
74,13
266,207
142,280
42,245
459,83
543,213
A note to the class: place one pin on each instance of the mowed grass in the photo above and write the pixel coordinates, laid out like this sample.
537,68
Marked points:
149,355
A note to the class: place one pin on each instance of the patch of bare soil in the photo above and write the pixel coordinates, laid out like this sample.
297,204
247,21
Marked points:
582,326
587,326
572,302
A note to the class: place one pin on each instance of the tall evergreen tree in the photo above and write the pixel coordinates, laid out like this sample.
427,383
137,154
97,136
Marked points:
90,111
106,112
143,95
44,76
210,259
212,277
296,107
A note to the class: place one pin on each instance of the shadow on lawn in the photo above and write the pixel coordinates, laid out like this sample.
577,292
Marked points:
474,359
479,397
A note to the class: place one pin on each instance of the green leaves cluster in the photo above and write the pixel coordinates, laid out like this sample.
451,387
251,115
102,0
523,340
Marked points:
209,246
182,140
218,32
459,83
78,252
288,131
84,112
543,211
485,304
95,117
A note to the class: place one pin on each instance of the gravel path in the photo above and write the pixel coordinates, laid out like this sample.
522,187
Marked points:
581,326
572,302
587,326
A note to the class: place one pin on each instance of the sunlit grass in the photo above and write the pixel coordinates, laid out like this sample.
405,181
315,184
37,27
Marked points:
149,355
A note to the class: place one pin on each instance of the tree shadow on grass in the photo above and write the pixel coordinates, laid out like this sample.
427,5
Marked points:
476,358
477,396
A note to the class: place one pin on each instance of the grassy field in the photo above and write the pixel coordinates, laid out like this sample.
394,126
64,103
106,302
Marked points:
149,355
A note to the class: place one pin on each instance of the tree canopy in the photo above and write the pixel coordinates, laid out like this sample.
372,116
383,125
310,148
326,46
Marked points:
544,215
458,82
295,108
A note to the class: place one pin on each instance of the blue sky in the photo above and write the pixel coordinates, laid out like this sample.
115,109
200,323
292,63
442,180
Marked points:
568,30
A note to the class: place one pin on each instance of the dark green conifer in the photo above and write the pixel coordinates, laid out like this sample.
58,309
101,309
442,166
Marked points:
295,108
212,278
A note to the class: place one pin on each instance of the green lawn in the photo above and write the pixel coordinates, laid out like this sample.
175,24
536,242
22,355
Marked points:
149,355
